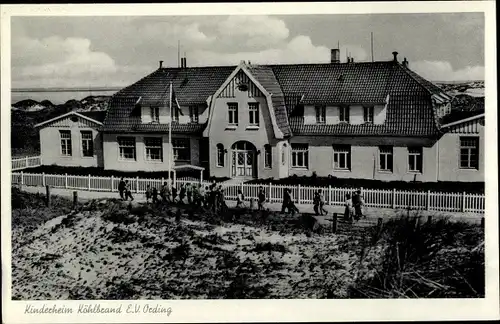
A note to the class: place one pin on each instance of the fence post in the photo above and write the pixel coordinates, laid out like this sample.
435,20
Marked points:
89,182
75,199
43,179
393,204
429,219
201,176
482,222
463,202
428,206
47,196
27,161
298,194
22,178
65,180
334,223
162,181
270,192
329,195
112,183
137,184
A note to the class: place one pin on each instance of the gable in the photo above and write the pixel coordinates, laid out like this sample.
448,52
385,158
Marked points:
241,80
71,119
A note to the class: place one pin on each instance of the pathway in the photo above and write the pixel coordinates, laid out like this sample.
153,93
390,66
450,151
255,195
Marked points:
371,213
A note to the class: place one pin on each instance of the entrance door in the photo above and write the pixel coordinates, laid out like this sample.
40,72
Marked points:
244,160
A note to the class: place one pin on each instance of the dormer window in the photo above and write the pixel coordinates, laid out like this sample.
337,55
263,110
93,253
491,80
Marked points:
368,114
320,114
193,114
155,114
344,114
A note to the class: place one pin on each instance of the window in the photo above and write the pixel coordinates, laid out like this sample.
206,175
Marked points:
87,143
283,154
385,158
341,157
65,142
233,113
344,114
127,148
153,148
368,115
253,114
182,150
155,114
469,153
320,114
268,156
415,159
220,155
193,114
300,155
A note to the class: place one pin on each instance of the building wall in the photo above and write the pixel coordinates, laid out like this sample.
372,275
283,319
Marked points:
112,153
221,132
448,147
50,143
365,158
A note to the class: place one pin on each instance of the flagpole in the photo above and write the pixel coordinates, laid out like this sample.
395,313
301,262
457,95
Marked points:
170,135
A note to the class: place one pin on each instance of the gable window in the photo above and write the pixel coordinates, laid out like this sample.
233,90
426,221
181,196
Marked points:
344,114
153,148
320,114
283,154
220,155
469,153
193,114
155,114
65,142
87,144
415,159
300,156
385,158
341,157
268,156
126,146
368,114
182,149
233,113
253,113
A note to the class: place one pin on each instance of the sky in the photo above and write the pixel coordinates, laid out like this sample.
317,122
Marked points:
117,51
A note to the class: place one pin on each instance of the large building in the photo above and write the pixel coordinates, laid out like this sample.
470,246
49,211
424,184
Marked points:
370,120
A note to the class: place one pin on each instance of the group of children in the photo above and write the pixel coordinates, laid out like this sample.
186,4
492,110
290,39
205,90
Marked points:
354,206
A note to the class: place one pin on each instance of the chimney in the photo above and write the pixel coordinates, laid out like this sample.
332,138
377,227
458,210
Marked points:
405,63
395,54
335,55
161,64
185,62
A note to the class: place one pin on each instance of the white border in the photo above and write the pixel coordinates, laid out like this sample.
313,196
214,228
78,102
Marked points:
270,310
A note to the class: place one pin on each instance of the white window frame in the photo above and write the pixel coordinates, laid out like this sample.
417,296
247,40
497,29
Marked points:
89,143
176,144
415,153
384,154
320,114
153,151
341,153
155,114
65,144
344,114
232,109
268,156
220,156
469,149
368,114
300,150
126,142
194,114
253,114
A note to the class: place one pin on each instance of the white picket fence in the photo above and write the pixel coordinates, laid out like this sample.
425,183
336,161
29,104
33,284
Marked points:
26,162
436,201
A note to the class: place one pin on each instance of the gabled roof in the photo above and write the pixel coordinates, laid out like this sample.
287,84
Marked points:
96,117
410,110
